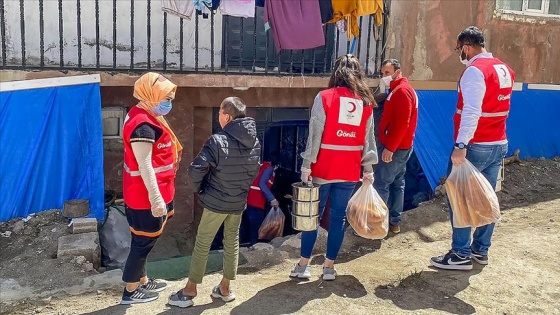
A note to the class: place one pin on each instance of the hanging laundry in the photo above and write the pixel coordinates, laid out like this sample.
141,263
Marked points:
326,10
180,8
215,4
239,8
341,26
352,9
295,24
203,7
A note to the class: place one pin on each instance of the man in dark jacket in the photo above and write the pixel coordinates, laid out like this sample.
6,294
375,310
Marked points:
222,174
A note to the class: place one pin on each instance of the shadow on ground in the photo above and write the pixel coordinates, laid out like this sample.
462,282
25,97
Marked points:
423,290
272,300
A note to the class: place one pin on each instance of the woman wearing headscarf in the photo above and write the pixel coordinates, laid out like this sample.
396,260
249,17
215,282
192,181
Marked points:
340,142
151,157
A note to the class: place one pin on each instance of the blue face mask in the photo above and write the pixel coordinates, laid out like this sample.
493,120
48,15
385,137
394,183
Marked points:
163,108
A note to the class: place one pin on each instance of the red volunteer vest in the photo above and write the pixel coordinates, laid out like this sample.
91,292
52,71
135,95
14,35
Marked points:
498,78
134,191
256,198
340,155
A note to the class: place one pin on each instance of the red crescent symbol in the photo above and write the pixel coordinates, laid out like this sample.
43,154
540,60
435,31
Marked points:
353,107
504,70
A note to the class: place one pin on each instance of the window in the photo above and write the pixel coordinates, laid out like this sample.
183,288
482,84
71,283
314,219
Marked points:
113,120
530,7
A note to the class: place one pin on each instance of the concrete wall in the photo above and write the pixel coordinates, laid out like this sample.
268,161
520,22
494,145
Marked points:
123,43
422,34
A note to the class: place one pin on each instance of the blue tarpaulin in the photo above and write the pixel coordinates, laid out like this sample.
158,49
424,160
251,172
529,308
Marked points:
51,147
532,127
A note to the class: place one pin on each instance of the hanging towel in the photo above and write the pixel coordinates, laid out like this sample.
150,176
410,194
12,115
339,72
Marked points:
180,8
295,24
352,9
240,8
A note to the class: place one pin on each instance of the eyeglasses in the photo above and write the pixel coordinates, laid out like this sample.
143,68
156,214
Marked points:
460,48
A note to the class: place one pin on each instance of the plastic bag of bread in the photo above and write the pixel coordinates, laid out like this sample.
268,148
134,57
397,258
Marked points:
367,213
273,224
473,200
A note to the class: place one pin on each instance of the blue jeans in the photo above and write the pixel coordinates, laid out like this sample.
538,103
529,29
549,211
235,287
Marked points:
487,159
339,194
256,217
389,182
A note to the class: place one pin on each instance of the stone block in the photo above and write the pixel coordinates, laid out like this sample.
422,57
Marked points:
84,225
76,208
84,244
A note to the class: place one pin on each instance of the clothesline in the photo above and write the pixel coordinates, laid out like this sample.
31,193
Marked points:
295,24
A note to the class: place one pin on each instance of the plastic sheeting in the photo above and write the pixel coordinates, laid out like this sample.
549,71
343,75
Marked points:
532,127
51,149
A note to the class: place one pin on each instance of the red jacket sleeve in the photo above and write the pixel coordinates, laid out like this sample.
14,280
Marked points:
402,104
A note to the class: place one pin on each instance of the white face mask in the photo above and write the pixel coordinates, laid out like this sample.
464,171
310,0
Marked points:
463,61
387,80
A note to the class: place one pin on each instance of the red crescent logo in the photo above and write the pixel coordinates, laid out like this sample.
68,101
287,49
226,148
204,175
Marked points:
353,107
504,71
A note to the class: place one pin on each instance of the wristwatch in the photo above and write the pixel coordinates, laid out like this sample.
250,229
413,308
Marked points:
460,146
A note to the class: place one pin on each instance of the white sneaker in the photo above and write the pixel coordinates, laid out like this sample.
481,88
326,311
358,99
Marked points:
301,272
329,274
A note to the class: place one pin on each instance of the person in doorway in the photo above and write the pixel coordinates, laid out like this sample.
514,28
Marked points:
340,142
258,197
485,89
151,158
222,174
396,134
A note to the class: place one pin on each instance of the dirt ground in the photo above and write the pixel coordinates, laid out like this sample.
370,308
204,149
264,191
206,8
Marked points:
391,276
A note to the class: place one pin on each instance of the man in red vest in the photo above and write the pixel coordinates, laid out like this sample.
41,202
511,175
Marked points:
396,134
258,196
485,90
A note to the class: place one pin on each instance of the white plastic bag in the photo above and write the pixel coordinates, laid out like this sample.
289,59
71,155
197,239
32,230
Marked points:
367,213
473,200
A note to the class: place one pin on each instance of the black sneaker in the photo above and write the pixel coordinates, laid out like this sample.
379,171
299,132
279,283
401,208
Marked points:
452,261
154,286
479,258
140,295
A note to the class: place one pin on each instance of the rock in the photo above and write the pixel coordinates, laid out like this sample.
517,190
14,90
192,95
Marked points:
85,244
84,225
292,242
6,234
76,208
278,241
88,267
263,246
80,260
440,190
18,227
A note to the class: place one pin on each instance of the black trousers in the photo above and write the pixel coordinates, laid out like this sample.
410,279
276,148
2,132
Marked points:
142,222
135,267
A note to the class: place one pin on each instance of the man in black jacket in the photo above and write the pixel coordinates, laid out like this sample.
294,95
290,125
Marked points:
222,174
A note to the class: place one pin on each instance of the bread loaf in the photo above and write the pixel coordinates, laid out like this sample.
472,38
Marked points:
367,214
472,199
